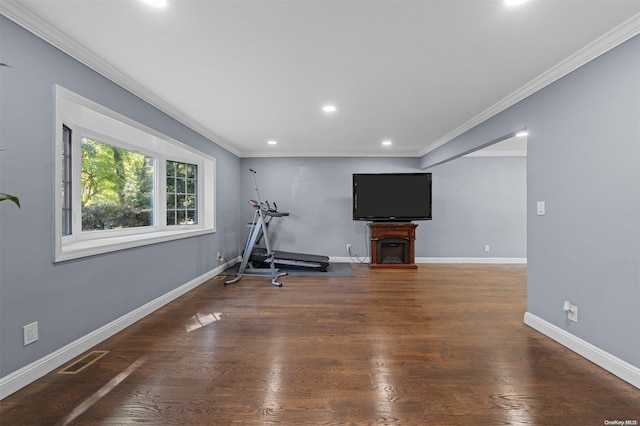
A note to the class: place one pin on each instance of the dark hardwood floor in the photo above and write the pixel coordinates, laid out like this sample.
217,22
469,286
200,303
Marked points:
440,345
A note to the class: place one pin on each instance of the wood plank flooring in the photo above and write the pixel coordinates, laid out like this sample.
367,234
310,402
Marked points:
440,345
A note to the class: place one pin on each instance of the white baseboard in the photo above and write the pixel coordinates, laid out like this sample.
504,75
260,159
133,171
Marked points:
333,259
486,260
31,372
612,364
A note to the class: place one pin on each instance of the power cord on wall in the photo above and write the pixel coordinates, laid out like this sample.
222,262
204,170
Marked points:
366,244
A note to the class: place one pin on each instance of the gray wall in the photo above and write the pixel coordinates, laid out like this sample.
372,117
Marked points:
476,201
74,298
317,193
584,162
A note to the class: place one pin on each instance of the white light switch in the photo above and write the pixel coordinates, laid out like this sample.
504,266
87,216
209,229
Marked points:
540,208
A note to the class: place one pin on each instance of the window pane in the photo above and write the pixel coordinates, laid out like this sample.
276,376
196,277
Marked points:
171,168
180,203
66,181
191,170
180,169
192,216
180,214
117,187
182,198
191,186
171,217
179,186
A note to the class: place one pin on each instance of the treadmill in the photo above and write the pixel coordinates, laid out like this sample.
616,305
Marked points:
260,257
290,259
258,261
263,214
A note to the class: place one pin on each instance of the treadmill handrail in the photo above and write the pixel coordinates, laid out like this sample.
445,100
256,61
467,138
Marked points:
275,214
267,210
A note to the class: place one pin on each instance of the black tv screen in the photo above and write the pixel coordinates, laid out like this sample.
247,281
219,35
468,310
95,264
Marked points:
392,197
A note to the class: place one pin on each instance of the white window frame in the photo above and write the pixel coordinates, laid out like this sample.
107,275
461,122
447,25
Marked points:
86,118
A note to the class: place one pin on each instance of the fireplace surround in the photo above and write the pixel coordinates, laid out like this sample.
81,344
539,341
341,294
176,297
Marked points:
393,245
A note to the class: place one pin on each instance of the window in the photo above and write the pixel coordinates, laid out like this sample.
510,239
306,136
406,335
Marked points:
117,187
121,184
66,180
182,197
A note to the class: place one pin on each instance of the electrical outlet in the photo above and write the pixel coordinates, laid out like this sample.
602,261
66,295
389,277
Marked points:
571,310
348,248
30,333
487,248
573,313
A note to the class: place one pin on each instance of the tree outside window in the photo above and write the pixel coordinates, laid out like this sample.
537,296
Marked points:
182,190
117,187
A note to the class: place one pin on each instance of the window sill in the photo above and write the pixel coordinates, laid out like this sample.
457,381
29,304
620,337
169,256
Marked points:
80,249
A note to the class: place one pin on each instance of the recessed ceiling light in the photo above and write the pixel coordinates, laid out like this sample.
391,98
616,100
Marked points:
329,108
514,2
386,143
272,142
522,134
156,3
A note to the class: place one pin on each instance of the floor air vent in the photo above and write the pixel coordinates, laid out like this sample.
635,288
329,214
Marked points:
82,363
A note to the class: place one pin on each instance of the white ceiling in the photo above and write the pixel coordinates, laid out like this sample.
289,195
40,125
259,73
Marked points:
417,72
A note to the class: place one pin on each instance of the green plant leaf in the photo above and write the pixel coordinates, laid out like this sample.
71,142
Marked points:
9,197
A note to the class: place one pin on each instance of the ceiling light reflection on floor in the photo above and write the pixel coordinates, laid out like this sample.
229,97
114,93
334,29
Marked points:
200,320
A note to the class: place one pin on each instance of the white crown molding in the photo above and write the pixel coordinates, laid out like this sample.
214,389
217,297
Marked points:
19,14
612,364
608,41
488,153
263,154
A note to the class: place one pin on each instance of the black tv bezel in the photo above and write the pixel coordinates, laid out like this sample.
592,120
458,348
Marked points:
392,219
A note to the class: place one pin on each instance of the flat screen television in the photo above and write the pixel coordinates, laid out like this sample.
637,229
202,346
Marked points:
392,197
